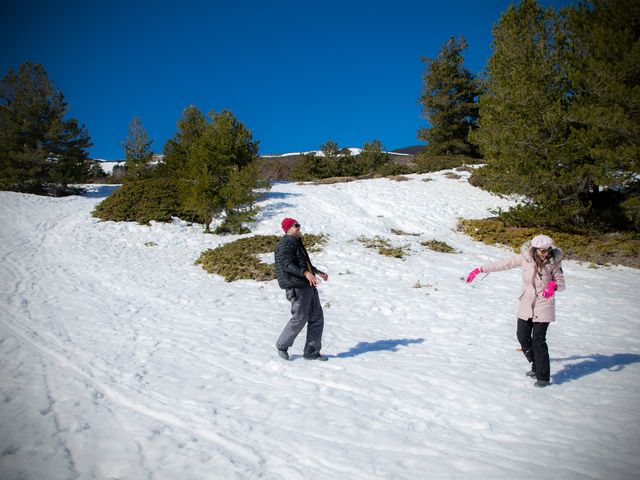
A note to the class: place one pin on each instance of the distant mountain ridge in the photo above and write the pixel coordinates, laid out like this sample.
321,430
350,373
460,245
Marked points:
413,150
403,156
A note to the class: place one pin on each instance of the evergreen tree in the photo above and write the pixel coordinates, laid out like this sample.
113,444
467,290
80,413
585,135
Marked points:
308,167
333,162
95,170
118,172
373,156
449,102
191,127
220,169
560,117
137,151
522,124
40,151
602,57
238,152
328,166
239,197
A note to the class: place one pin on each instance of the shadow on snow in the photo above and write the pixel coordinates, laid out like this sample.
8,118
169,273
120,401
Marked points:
593,363
379,346
99,191
275,209
271,195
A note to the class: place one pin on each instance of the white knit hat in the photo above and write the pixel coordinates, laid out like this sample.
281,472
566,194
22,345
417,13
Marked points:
542,241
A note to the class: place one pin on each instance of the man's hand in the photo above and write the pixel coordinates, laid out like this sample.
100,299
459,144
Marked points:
313,281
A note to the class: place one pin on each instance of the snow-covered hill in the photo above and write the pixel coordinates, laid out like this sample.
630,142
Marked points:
352,151
122,359
109,165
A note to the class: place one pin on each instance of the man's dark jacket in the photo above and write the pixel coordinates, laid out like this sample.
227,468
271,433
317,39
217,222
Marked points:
292,260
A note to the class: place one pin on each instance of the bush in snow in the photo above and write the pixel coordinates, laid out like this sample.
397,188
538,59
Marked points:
438,246
237,260
383,247
392,169
435,163
143,201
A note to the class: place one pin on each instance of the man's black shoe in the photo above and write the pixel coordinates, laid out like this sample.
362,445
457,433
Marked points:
542,383
315,356
531,374
283,354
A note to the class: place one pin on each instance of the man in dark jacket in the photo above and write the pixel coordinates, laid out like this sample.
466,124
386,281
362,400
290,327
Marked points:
297,276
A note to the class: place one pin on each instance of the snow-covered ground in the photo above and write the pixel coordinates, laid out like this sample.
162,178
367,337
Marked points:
122,359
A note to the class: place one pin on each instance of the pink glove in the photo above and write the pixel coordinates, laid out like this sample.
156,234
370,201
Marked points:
550,290
473,274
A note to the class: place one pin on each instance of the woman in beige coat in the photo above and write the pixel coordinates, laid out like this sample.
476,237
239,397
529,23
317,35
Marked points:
542,276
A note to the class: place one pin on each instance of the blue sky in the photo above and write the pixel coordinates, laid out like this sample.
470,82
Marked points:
296,73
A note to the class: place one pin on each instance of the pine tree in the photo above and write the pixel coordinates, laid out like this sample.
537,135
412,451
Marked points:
373,156
40,151
522,124
308,167
449,102
602,57
238,151
95,170
191,127
137,151
560,117
333,162
220,168
239,197
328,165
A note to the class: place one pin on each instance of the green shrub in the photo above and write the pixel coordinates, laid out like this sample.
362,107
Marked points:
383,246
232,224
237,260
631,210
392,169
144,200
435,163
614,248
438,246
231,228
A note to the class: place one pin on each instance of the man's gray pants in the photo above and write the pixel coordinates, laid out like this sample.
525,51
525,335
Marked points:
305,309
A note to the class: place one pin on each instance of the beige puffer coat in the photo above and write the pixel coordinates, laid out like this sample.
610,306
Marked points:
532,304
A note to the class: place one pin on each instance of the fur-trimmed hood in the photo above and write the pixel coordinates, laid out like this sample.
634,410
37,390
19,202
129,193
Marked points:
527,250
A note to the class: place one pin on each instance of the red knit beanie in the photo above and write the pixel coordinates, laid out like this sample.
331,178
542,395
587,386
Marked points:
287,223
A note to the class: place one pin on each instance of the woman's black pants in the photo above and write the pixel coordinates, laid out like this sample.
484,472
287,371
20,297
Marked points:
533,340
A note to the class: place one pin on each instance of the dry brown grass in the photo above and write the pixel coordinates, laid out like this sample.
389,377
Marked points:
453,176
438,246
609,249
330,180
